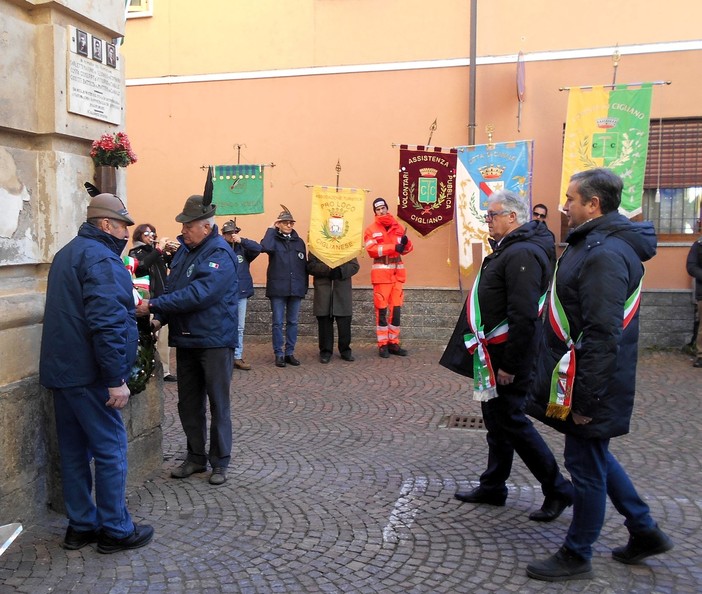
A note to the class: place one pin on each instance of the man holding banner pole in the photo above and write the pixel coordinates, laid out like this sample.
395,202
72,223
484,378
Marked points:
385,241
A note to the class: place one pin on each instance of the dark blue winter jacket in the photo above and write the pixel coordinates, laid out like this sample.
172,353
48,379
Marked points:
90,333
287,264
599,270
246,252
202,292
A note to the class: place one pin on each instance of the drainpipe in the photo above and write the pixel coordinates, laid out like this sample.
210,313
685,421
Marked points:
472,61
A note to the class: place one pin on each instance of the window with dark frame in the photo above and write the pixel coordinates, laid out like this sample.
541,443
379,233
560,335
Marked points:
672,198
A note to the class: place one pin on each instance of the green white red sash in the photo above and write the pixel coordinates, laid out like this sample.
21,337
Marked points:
563,375
476,341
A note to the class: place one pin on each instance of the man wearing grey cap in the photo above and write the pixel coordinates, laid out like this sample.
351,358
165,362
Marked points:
88,347
200,308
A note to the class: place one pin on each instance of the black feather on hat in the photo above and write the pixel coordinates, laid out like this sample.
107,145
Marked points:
209,188
92,190
285,215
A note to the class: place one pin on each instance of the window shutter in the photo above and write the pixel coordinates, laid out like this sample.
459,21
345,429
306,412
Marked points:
674,153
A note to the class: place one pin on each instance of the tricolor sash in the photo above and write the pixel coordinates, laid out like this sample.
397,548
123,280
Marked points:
476,341
563,376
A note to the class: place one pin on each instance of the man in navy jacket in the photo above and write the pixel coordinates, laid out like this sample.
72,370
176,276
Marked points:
286,284
200,307
586,371
246,250
88,348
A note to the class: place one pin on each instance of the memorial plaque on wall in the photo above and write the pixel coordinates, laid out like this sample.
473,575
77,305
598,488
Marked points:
94,82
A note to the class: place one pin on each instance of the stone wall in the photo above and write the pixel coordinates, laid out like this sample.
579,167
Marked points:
44,160
430,314
30,464
666,319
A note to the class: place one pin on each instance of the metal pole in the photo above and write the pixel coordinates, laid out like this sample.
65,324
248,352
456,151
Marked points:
472,61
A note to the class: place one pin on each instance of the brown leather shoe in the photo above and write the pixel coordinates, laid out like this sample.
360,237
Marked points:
241,364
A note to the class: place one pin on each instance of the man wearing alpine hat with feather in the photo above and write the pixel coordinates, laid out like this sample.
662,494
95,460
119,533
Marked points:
200,307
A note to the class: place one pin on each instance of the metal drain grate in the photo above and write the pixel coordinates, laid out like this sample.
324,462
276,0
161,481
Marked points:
464,422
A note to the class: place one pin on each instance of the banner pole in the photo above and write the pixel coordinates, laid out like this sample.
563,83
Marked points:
634,84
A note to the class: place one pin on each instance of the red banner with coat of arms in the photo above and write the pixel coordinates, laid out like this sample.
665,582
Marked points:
426,187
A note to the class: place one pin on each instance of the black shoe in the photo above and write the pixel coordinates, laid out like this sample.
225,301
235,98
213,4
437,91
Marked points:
218,476
348,356
141,536
383,352
564,565
550,510
324,358
75,540
292,360
642,545
170,378
186,469
480,495
698,362
396,349
279,362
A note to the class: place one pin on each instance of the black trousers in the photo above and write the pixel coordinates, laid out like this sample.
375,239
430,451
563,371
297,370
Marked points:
510,430
325,326
206,374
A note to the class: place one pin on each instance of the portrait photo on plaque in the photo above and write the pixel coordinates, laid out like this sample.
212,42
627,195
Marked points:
111,55
81,42
97,49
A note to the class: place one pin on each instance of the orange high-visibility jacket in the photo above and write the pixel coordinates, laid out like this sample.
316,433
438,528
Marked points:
380,243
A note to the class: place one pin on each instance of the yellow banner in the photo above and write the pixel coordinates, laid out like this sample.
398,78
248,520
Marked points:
609,128
336,224
585,109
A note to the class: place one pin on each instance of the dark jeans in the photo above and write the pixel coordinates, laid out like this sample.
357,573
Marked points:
509,431
325,325
285,309
203,374
87,429
597,474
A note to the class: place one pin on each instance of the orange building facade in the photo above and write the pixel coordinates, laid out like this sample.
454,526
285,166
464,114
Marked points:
302,85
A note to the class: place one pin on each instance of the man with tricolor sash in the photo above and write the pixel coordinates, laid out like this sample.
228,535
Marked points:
499,328
585,381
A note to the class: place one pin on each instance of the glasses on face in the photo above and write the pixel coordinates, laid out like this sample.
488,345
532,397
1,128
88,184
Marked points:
489,215
290,223
149,234
538,215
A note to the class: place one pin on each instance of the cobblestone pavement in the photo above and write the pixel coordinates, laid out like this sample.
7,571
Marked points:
342,480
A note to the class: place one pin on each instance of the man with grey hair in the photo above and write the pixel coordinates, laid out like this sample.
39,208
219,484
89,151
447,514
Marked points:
500,326
200,307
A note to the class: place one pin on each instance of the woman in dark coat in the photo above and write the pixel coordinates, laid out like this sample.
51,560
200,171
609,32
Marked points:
153,261
333,301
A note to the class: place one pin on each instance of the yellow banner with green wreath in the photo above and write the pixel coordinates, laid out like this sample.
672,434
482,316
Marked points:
336,224
609,128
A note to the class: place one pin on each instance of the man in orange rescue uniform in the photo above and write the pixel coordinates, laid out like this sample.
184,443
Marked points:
385,241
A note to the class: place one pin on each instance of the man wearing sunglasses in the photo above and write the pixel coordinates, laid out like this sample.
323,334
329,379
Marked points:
539,212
